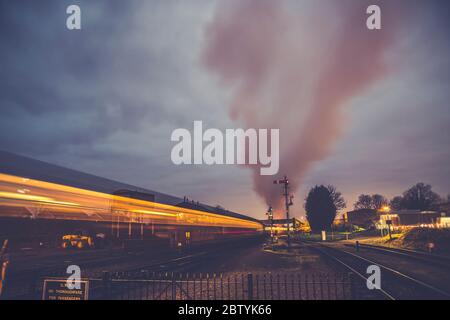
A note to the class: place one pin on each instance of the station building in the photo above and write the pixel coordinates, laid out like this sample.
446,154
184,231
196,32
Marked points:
410,218
279,226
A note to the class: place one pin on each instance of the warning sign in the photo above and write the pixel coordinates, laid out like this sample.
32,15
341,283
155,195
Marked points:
57,289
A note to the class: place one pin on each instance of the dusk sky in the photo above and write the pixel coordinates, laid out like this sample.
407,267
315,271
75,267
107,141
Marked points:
367,112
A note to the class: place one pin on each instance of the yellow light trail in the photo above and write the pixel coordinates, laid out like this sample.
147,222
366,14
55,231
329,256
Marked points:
20,196
65,202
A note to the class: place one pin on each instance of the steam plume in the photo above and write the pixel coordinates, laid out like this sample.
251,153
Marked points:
294,67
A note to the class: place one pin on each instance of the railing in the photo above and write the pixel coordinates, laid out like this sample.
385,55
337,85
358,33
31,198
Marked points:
230,286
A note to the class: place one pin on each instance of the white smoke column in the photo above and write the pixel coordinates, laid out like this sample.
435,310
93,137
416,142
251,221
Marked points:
294,66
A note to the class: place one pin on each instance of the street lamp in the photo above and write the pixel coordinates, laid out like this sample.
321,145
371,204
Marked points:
386,209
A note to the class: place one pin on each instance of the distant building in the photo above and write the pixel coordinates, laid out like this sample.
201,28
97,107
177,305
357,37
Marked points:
280,225
410,218
362,217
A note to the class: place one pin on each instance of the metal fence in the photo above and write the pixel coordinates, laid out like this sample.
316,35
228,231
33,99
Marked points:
232,286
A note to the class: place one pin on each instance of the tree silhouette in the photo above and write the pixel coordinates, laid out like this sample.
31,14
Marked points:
364,202
379,201
321,206
396,203
337,197
420,197
375,202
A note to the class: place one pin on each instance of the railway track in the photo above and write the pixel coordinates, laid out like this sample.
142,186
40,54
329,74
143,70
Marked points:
187,263
395,285
172,265
437,260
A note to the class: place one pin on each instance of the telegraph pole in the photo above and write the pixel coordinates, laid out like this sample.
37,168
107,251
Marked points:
288,203
286,200
270,215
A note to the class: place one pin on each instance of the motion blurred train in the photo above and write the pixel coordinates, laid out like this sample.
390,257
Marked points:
40,203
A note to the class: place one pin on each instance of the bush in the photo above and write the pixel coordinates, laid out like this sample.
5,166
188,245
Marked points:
420,237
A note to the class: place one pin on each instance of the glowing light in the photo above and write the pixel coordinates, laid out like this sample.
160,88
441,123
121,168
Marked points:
72,203
29,197
154,213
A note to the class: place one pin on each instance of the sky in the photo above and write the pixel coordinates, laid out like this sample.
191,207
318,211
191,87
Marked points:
105,99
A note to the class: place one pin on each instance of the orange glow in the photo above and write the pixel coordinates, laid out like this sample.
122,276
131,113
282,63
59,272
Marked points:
55,201
29,197
154,212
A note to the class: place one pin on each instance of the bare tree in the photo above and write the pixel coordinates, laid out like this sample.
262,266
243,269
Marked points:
379,201
420,197
337,197
364,202
375,202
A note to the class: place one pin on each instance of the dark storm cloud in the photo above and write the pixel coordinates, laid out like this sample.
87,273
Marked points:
61,87
105,99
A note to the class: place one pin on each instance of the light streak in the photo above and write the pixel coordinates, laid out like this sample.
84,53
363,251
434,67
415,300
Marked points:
64,201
